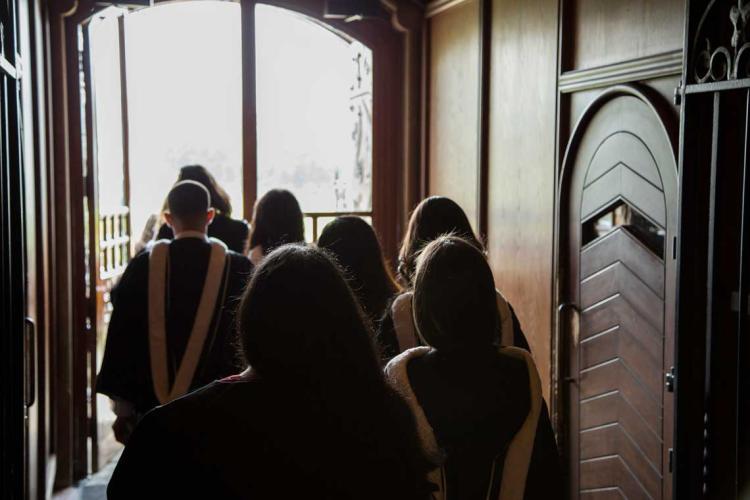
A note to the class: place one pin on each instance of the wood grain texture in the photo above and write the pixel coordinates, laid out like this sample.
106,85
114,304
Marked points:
454,105
522,164
617,30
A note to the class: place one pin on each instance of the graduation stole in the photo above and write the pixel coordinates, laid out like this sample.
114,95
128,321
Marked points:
519,452
407,333
157,335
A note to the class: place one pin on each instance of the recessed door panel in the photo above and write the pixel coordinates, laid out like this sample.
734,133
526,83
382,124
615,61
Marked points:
620,218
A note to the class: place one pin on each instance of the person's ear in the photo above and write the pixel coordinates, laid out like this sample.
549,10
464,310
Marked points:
169,219
210,214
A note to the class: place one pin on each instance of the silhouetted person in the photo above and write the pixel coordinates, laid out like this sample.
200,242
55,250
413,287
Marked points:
172,327
479,406
353,242
234,233
277,220
313,417
434,217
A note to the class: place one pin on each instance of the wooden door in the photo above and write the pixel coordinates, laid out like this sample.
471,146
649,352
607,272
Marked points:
621,217
107,197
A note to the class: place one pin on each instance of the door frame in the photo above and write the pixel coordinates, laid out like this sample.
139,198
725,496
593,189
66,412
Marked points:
398,154
566,313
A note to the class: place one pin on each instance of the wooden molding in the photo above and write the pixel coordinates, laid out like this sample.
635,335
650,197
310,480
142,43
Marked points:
435,7
643,68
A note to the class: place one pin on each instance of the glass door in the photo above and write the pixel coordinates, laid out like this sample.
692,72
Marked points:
314,116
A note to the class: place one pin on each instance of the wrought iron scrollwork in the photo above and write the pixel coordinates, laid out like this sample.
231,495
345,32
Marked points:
722,63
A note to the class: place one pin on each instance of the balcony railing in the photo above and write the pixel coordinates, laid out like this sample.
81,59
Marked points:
316,221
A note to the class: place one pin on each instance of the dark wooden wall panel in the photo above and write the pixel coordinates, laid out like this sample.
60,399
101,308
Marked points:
606,32
454,105
522,164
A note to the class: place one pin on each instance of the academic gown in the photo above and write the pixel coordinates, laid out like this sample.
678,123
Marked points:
255,439
234,233
126,367
475,403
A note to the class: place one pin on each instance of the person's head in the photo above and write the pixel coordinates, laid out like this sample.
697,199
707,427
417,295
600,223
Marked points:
305,336
219,198
433,217
277,220
300,322
354,244
455,304
189,207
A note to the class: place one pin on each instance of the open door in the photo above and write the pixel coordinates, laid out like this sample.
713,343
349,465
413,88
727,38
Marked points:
107,240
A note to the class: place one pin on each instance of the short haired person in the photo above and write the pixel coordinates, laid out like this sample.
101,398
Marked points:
172,326
478,405
233,232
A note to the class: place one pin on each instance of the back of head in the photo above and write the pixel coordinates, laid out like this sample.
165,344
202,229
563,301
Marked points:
354,244
277,220
434,216
300,322
455,305
219,198
187,202
305,335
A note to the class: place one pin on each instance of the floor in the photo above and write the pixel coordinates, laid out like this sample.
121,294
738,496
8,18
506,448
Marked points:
93,487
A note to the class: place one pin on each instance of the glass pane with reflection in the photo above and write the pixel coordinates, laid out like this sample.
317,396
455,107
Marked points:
314,102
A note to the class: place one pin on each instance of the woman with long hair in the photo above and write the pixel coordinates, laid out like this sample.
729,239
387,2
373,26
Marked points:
354,244
312,416
234,233
434,217
277,220
479,408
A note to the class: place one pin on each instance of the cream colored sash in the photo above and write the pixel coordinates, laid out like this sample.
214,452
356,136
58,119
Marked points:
518,456
157,283
520,449
407,334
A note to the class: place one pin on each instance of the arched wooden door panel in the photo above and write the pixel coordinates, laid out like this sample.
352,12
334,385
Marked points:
618,219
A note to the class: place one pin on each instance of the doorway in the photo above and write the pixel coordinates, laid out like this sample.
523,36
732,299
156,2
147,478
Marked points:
156,97
618,283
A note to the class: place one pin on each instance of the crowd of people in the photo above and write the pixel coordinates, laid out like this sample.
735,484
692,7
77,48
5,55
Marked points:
243,362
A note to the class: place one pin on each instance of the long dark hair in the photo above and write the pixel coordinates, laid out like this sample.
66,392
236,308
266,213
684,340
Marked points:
220,200
455,304
433,217
277,219
302,329
354,244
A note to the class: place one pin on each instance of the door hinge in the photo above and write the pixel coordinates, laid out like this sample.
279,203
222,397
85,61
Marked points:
670,459
669,380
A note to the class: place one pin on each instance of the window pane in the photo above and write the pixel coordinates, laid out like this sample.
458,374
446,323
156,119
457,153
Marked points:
105,74
185,99
314,104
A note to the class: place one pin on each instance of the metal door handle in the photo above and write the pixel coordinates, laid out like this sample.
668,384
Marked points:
30,358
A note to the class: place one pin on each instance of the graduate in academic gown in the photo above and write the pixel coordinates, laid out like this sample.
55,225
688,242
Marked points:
313,418
355,246
434,216
479,408
233,232
172,328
